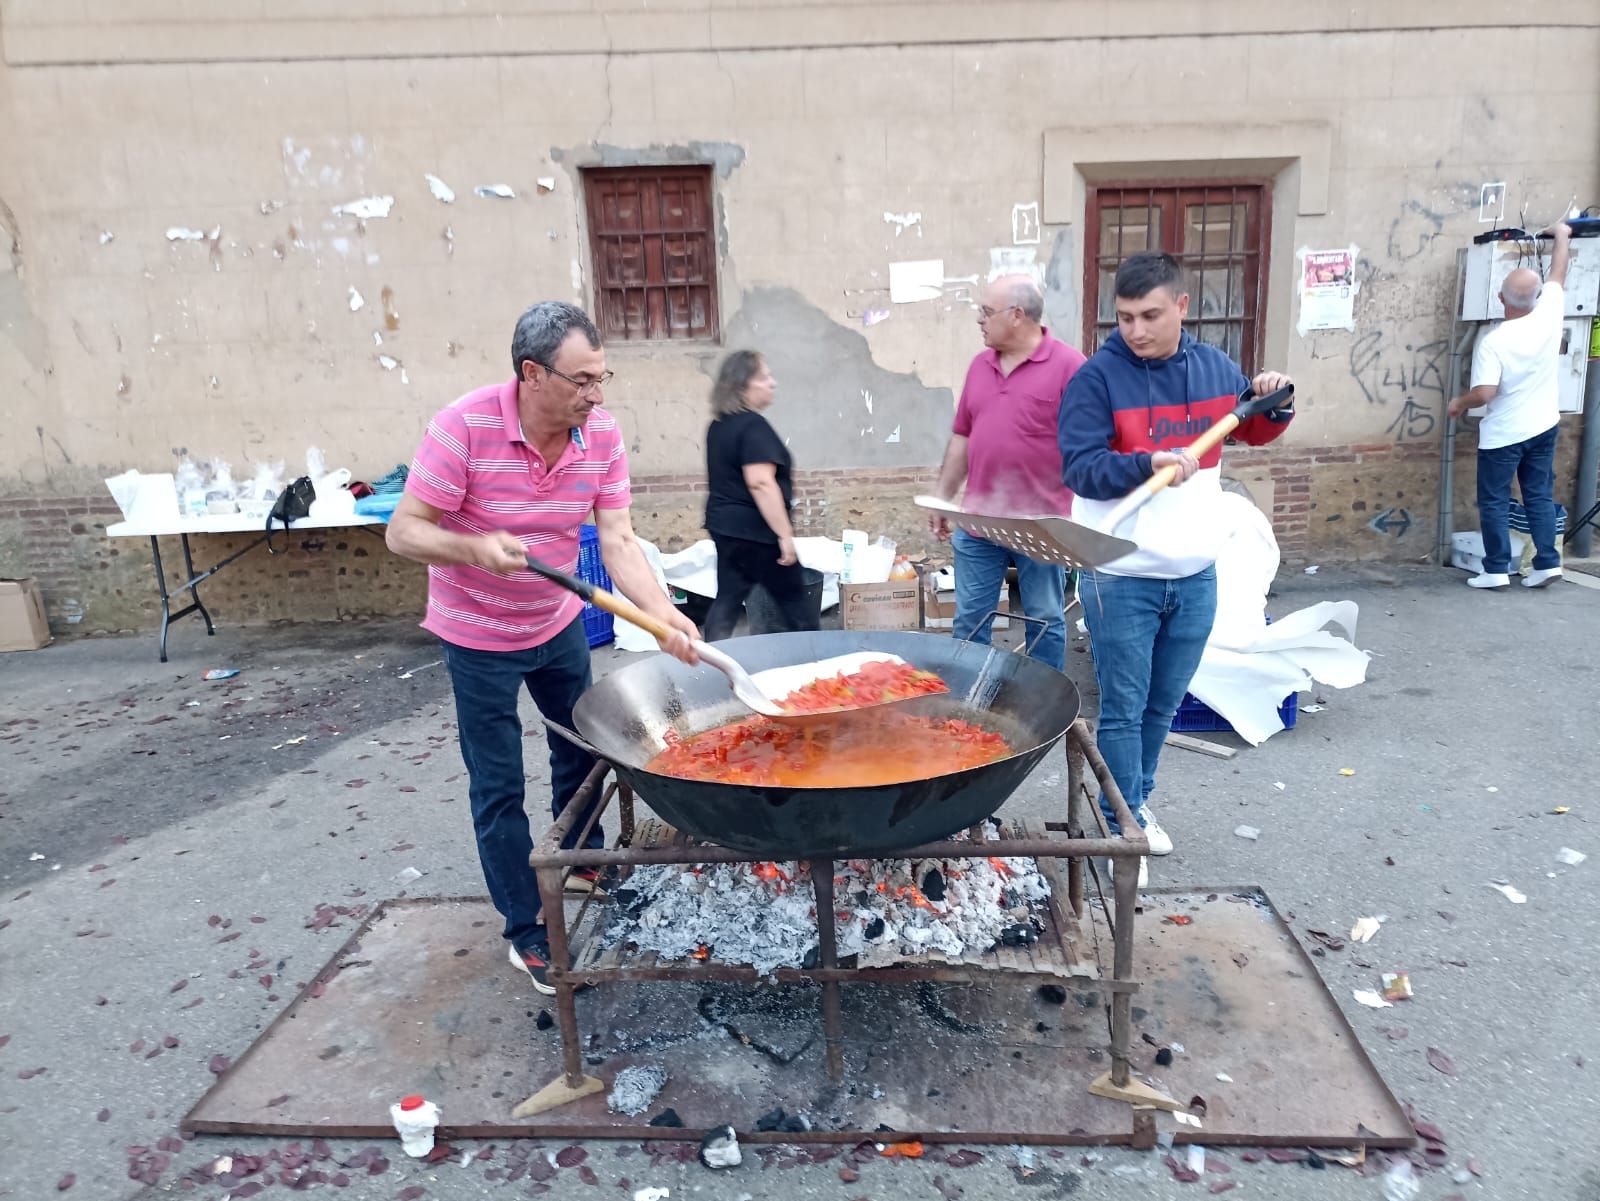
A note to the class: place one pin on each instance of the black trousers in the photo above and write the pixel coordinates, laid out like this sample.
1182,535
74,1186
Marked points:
741,565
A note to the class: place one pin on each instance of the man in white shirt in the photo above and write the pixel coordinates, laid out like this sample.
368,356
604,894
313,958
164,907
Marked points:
1514,376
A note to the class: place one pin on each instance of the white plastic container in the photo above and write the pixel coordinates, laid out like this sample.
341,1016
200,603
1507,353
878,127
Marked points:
414,1120
855,545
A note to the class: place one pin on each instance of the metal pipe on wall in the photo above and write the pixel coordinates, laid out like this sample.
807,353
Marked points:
1588,460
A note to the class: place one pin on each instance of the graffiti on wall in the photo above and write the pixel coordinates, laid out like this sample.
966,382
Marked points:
1412,378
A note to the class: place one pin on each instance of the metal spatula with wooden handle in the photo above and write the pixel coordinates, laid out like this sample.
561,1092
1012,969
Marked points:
761,692
1069,543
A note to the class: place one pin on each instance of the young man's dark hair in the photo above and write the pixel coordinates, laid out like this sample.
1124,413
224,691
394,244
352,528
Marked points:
1142,273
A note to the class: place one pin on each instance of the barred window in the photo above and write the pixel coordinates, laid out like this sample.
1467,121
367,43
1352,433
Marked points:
654,249
1217,231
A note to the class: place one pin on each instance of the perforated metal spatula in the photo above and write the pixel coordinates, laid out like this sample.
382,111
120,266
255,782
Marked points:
1071,544
761,692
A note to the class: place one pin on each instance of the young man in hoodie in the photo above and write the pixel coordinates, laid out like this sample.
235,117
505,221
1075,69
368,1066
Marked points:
1133,408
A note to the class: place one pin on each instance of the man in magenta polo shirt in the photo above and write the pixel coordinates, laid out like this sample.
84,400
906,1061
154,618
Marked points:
1003,444
508,470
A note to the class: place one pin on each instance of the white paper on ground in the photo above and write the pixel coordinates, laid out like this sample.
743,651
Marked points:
1248,666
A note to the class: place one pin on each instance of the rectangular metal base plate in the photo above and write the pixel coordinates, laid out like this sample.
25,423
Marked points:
426,1003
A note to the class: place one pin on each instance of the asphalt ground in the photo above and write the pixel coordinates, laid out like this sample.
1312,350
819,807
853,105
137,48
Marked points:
145,815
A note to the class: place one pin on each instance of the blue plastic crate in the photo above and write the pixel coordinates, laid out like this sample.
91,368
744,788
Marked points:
598,625
1194,716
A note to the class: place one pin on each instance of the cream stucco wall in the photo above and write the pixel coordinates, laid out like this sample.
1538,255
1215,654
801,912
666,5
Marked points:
133,118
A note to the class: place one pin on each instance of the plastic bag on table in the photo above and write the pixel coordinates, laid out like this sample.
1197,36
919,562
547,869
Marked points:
222,496
257,495
190,482
316,463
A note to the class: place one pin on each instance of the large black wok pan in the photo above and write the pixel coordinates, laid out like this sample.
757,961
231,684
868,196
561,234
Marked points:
626,714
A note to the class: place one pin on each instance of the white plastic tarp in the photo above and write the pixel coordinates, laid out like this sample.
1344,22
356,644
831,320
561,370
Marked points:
694,569
1248,666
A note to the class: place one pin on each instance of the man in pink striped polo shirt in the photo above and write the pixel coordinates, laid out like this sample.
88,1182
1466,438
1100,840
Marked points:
508,470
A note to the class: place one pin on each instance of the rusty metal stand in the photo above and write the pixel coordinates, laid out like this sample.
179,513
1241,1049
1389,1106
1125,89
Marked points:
573,966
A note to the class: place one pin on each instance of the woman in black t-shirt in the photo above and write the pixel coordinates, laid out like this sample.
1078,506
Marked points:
747,513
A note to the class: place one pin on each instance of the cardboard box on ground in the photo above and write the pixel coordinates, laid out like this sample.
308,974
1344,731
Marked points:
22,622
937,582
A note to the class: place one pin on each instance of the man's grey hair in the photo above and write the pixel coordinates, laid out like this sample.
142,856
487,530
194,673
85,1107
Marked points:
1522,298
542,330
1025,294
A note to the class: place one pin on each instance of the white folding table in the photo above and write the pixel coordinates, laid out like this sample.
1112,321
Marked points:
229,523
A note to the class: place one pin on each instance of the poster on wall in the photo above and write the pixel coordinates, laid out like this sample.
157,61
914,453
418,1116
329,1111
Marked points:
1328,289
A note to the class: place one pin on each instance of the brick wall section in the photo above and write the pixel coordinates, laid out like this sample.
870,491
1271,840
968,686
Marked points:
1325,498
1296,469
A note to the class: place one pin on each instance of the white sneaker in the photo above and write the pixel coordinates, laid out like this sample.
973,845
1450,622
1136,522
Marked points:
1538,579
1144,869
1160,841
1489,580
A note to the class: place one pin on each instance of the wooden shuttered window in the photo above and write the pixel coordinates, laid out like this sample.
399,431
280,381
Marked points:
653,242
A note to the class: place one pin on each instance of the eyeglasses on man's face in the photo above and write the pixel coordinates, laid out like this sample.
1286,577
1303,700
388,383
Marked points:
585,384
985,312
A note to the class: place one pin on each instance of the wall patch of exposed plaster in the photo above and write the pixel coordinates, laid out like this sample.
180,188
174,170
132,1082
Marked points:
577,278
494,191
722,157
903,222
442,192
367,208
357,301
1061,309
1014,260
831,365
1025,224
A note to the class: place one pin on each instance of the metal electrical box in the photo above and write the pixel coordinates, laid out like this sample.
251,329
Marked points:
1488,264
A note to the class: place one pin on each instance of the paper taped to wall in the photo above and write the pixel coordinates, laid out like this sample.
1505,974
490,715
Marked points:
917,279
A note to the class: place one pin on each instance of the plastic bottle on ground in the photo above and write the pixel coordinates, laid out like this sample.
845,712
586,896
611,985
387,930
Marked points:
414,1120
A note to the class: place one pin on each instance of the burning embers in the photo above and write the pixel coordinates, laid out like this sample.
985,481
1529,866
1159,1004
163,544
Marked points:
886,910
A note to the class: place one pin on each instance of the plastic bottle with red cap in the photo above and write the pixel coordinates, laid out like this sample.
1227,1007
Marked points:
414,1119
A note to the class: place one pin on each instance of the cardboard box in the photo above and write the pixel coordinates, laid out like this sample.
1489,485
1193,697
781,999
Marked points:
887,606
22,623
939,604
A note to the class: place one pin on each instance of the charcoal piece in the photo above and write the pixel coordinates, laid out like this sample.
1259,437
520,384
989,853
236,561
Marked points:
1040,1027
795,1124
771,1120
629,900
1164,1057
874,930
933,884
1019,935
1313,1160
863,897
720,1149
882,1129
667,1117
812,959
933,1092
1053,994
544,1021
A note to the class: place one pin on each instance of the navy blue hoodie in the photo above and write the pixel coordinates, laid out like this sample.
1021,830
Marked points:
1118,410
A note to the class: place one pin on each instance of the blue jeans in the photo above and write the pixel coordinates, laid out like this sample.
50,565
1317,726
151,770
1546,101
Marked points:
1148,636
1533,464
487,686
980,572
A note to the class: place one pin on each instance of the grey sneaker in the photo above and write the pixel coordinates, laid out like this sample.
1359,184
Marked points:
535,964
